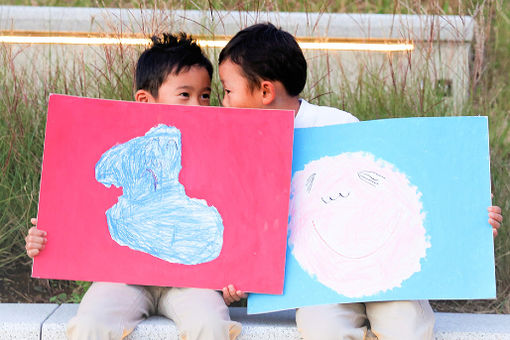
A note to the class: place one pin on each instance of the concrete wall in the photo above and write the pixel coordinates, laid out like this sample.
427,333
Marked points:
442,43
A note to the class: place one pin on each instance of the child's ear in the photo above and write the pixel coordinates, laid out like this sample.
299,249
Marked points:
143,96
268,92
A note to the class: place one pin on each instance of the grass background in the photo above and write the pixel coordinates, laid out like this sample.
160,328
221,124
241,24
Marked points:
24,94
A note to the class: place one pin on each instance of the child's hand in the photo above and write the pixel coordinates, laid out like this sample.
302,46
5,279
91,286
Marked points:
495,218
230,294
35,240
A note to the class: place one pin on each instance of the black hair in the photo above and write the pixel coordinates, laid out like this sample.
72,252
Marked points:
168,54
268,53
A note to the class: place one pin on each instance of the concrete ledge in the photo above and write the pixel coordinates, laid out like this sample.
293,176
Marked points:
47,321
278,325
459,326
23,321
332,25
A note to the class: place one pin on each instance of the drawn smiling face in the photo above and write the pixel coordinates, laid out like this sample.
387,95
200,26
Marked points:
340,220
349,210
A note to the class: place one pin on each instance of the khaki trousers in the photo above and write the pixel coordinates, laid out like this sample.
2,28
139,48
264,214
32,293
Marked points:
112,311
389,320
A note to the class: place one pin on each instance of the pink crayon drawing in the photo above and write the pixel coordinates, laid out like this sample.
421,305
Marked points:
356,224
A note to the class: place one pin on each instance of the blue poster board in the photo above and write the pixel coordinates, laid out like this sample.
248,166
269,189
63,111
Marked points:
392,209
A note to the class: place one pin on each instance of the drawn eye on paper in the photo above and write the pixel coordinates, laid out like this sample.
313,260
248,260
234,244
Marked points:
356,224
154,215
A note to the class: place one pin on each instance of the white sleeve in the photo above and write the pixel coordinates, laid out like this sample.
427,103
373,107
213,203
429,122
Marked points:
330,116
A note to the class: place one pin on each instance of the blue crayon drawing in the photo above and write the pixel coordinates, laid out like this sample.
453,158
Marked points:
154,215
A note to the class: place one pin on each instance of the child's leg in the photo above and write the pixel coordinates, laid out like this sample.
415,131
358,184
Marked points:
328,322
199,314
395,320
110,311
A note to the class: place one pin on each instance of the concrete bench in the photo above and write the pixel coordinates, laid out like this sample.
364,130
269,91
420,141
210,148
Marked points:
48,321
279,325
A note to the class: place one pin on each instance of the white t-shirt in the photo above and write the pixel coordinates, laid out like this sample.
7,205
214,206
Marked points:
310,115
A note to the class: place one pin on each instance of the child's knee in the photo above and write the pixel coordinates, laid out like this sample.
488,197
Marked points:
316,326
92,327
332,332
209,326
395,320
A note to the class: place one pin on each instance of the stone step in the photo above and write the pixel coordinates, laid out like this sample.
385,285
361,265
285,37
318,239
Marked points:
48,322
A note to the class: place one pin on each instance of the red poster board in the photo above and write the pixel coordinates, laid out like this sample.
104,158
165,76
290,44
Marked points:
238,160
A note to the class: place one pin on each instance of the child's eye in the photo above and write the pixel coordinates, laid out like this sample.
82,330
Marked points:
206,96
227,91
184,94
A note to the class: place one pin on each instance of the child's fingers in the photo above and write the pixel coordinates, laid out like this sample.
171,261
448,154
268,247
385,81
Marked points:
33,221
233,293
36,232
226,296
496,216
32,252
495,226
495,221
35,241
226,293
34,246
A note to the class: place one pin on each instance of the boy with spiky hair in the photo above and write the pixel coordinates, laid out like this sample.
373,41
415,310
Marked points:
264,67
172,71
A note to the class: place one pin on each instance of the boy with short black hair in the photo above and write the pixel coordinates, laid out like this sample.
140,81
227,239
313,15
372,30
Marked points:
173,71
263,67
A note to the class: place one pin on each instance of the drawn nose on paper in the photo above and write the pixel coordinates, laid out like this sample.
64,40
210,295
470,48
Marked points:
154,215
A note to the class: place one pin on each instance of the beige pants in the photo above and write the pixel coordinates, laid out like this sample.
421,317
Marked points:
390,320
112,311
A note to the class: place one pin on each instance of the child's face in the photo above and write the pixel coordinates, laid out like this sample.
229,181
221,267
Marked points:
189,87
237,92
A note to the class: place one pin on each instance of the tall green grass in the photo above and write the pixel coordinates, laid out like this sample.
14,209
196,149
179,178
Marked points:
23,105
24,95
491,98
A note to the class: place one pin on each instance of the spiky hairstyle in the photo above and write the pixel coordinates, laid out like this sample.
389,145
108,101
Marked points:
169,53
